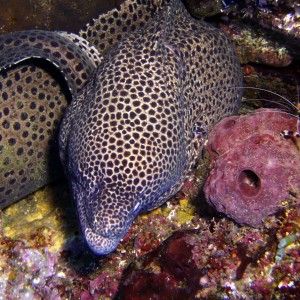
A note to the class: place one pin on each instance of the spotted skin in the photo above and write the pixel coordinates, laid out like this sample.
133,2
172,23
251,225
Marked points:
130,139
68,52
32,105
33,99
107,30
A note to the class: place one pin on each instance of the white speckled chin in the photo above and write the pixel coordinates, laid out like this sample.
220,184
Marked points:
99,244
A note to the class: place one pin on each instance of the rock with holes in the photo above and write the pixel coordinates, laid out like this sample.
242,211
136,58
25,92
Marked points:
255,168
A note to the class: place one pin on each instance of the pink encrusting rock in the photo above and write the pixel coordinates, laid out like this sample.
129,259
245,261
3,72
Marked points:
254,168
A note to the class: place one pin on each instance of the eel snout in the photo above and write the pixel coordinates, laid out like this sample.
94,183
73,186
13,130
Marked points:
105,226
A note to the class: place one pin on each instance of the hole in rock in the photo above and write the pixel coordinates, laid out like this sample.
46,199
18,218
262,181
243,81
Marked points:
249,183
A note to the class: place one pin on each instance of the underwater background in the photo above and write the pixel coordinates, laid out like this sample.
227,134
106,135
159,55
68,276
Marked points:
184,248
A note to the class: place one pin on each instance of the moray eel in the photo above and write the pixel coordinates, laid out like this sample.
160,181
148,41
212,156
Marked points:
140,115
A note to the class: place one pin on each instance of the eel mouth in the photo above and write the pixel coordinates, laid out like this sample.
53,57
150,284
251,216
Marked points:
103,226
102,242
101,239
99,244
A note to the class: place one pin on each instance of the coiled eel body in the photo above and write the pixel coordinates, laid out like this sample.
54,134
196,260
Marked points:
148,82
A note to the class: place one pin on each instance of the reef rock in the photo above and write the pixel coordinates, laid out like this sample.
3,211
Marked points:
255,169
169,272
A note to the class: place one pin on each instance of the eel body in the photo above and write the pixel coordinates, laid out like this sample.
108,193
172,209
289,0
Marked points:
33,100
141,112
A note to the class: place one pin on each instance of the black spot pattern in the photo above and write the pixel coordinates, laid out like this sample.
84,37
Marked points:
69,52
109,29
25,153
33,102
128,140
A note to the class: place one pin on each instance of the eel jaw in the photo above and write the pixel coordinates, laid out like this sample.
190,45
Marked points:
102,244
98,239
99,244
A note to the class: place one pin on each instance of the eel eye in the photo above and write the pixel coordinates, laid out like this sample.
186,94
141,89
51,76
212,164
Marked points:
136,207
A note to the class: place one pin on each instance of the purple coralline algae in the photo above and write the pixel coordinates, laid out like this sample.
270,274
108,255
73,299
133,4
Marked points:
169,272
255,169
220,261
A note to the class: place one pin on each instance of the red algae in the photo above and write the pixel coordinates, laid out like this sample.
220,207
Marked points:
218,261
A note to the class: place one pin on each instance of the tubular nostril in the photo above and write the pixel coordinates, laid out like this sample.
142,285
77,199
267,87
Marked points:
229,124
249,183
